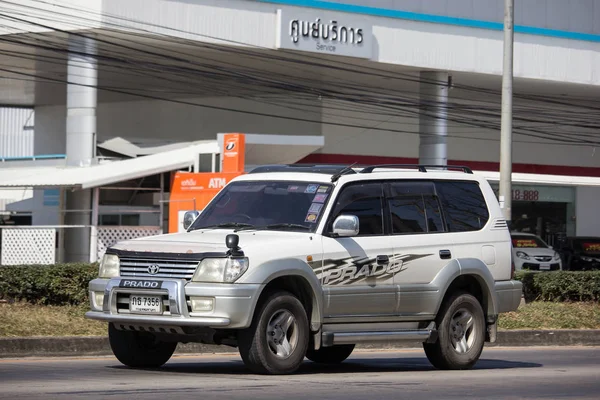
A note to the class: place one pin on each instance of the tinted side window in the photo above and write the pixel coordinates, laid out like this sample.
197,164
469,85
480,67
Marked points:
408,214
366,202
464,205
433,213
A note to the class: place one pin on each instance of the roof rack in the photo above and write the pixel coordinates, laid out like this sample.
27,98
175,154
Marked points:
329,169
420,167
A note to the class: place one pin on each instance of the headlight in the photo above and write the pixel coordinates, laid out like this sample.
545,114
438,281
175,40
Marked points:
220,270
556,256
522,255
587,259
109,266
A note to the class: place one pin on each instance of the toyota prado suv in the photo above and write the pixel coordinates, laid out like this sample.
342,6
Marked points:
288,262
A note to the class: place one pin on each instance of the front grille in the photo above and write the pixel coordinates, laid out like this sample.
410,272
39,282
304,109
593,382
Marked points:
543,258
141,268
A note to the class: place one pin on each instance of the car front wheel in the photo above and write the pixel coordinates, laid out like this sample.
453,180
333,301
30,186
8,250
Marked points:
139,349
277,340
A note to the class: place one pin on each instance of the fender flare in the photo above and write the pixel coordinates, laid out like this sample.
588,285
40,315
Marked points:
468,267
290,267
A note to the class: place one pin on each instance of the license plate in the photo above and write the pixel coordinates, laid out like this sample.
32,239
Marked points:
145,304
545,266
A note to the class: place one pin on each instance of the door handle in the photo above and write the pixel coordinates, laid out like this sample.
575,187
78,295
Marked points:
382,260
445,254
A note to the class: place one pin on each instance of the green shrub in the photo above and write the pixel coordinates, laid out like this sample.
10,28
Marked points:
561,285
64,284
59,284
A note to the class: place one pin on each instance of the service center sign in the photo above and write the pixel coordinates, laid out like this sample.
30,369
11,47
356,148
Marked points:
325,33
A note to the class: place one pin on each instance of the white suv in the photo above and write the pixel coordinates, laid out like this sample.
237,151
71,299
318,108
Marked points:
289,262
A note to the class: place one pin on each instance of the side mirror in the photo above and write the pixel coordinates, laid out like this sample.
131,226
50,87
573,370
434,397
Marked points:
346,226
188,218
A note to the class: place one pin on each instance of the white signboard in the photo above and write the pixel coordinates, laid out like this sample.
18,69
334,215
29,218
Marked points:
326,33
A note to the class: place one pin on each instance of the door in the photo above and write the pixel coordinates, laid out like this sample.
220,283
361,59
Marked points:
421,246
356,275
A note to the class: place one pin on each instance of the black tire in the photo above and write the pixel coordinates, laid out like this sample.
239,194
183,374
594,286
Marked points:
139,349
257,347
330,355
443,354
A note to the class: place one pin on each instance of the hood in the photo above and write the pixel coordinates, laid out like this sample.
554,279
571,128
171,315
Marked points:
207,241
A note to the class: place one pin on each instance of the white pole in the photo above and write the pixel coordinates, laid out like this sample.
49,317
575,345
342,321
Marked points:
505,195
94,225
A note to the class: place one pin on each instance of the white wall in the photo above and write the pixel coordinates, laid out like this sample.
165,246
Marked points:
474,144
165,120
396,41
38,12
16,131
161,121
588,217
51,128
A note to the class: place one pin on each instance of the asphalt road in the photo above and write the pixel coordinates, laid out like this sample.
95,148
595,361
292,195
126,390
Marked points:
518,373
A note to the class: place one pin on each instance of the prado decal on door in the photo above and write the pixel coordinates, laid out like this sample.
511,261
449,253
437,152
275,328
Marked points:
351,270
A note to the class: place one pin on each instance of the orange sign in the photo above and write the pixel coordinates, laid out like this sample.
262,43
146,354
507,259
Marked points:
193,191
234,148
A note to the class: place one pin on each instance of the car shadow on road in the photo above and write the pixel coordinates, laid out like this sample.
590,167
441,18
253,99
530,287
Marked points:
358,365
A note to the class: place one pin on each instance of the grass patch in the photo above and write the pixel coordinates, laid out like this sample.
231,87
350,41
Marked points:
552,315
23,319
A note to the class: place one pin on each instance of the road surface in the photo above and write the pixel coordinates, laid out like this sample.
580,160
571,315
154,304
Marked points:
514,373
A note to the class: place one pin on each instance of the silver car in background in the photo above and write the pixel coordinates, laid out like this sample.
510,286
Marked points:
531,253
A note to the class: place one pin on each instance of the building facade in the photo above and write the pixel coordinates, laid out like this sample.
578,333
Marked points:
381,81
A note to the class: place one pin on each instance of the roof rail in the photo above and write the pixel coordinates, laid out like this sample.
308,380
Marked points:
420,167
329,169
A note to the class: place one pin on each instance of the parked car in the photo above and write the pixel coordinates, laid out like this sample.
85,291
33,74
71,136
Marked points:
531,253
580,253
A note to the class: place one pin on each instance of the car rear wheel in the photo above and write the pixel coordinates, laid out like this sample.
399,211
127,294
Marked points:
330,355
461,334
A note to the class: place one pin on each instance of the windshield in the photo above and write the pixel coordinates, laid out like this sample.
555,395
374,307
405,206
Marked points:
523,242
276,205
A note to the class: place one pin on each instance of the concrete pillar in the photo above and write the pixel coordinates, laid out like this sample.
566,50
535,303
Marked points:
433,130
82,75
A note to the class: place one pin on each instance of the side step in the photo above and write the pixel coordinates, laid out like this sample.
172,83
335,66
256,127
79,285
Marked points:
428,334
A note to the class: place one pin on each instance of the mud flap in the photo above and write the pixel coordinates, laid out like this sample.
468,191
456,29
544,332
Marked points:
492,332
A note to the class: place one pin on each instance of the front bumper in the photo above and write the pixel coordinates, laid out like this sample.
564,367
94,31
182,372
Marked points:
535,265
233,304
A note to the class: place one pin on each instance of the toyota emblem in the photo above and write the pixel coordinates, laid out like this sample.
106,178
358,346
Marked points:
153,269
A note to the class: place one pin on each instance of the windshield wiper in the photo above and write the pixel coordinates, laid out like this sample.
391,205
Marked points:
274,226
237,225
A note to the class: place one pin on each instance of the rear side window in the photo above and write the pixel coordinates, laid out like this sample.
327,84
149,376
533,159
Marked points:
414,208
464,205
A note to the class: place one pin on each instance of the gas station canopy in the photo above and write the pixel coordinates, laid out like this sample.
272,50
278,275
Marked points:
259,149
